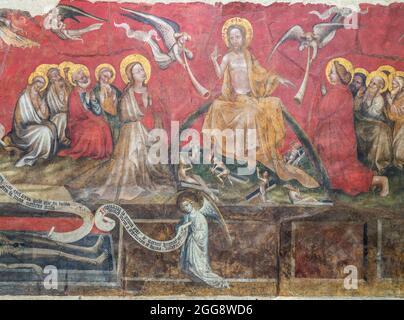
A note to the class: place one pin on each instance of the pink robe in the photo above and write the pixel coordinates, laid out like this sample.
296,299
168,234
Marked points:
335,141
90,135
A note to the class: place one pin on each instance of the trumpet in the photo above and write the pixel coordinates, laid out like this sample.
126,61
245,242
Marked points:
300,94
199,88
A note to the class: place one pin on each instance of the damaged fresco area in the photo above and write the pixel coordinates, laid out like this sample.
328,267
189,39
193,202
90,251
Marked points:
199,149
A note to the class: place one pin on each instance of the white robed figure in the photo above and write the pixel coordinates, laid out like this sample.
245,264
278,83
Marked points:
57,98
194,259
32,132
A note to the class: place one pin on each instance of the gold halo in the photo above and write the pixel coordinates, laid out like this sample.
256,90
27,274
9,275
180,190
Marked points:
241,22
135,58
379,74
63,65
44,68
102,66
75,68
346,63
387,68
394,75
38,73
362,71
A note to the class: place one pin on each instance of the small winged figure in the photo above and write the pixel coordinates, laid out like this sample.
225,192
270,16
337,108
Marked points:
169,31
337,13
54,21
321,35
194,258
9,35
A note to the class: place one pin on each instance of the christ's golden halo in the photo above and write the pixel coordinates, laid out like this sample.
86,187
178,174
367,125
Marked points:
240,22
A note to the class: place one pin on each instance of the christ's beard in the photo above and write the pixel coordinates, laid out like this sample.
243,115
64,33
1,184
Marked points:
237,49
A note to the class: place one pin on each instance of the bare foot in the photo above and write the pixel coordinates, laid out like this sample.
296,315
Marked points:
66,141
383,183
385,186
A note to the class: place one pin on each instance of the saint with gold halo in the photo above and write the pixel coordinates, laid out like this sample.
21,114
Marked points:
246,102
32,131
395,111
335,138
373,130
106,97
57,98
89,133
128,174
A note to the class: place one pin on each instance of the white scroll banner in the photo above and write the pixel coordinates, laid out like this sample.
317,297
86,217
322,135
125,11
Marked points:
56,206
106,224
101,221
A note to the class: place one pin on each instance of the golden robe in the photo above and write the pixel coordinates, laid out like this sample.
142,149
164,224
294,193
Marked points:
398,131
260,111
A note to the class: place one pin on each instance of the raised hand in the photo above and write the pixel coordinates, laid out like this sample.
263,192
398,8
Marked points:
214,55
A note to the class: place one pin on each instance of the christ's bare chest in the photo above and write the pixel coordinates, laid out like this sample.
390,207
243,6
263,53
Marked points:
239,74
237,63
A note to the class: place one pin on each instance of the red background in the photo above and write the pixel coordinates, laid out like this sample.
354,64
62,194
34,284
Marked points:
373,44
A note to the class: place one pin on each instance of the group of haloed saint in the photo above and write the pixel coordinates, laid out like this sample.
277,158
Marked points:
59,114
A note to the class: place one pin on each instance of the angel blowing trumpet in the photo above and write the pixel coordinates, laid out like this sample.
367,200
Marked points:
320,36
173,38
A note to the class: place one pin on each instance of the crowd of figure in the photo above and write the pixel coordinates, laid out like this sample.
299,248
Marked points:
379,117
58,113
358,138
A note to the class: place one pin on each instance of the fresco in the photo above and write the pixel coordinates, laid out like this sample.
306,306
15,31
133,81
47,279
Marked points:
202,149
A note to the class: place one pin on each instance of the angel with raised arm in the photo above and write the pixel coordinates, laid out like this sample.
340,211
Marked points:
54,21
194,259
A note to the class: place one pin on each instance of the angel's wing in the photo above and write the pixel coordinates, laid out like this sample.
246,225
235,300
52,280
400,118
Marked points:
165,27
211,211
325,32
296,33
73,12
13,39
